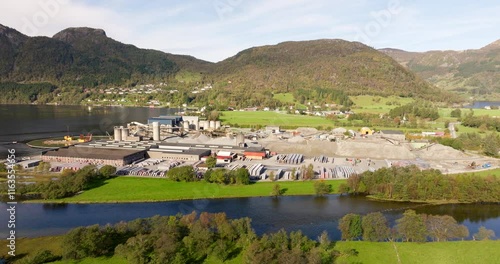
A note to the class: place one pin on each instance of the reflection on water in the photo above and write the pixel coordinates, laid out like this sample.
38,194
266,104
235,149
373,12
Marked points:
310,214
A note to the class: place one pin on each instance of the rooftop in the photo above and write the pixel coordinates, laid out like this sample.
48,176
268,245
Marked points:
392,132
92,153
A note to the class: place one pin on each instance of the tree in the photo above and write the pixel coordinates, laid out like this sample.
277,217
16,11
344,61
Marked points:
350,226
411,227
444,227
183,173
271,176
375,227
343,188
242,176
457,113
211,162
107,171
3,167
321,188
309,172
276,191
484,234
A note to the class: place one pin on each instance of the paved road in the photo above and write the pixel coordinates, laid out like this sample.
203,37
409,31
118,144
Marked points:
451,127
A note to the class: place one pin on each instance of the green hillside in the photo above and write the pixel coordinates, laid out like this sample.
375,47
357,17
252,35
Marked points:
85,57
351,67
475,72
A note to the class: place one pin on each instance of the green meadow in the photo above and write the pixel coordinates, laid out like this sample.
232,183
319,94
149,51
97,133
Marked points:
137,189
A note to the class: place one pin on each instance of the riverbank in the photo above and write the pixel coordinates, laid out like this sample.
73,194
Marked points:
138,189
456,252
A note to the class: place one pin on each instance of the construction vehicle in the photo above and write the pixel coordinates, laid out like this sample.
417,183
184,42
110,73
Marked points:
68,138
86,138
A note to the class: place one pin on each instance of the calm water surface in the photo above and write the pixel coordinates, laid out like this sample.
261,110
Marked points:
310,214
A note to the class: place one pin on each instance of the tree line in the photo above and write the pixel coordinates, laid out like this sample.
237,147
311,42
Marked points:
411,227
194,238
488,144
412,184
69,184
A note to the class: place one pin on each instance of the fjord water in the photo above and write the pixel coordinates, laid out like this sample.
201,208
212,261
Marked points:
310,214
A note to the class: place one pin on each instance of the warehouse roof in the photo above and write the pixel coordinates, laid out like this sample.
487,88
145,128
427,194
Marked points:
183,151
92,153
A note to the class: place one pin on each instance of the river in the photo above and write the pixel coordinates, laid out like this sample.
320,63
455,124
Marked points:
310,214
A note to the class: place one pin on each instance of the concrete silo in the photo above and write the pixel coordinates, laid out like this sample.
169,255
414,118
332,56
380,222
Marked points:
117,133
156,131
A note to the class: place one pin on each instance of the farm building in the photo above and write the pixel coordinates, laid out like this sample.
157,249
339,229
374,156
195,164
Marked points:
97,156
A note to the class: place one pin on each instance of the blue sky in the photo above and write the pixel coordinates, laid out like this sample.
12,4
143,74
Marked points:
216,29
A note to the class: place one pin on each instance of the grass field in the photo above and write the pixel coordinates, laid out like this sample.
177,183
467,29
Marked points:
264,118
377,104
457,252
288,99
135,189
484,173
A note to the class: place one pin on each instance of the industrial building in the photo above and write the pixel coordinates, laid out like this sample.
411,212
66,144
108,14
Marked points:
173,121
96,156
178,154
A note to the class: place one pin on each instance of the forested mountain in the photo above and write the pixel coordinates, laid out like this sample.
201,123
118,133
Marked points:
84,57
473,71
351,67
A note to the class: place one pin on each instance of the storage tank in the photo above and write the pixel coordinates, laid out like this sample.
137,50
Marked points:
206,124
117,133
240,139
217,124
124,133
185,124
156,131
212,124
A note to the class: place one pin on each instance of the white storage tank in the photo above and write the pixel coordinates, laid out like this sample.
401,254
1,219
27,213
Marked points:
124,133
185,124
212,124
156,131
117,133
206,124
217,124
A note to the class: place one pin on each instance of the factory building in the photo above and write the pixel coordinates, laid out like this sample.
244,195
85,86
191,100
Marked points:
178,154
172,121
97,156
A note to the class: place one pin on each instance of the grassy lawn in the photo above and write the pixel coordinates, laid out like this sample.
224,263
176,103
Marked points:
135,189
264,118
484,173
377,104
288,98
436,252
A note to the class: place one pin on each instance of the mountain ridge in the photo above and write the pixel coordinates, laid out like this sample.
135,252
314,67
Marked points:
86,57
474,71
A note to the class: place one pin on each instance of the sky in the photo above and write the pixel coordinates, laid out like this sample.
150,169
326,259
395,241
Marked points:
213,30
